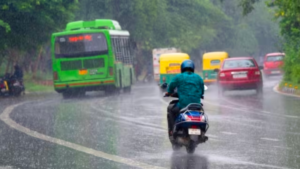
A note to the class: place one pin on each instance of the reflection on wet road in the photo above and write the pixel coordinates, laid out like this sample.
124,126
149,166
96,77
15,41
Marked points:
129,131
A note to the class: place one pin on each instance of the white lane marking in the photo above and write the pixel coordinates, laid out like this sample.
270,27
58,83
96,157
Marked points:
280,147
262,111
6,119
145,125
253,112
242,109
211,136
290,116
269,139
227,160
6,167
228,133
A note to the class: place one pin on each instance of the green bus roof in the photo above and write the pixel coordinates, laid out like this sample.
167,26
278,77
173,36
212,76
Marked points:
96,24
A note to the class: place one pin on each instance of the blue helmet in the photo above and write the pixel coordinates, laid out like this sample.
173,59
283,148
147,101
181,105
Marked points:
187,65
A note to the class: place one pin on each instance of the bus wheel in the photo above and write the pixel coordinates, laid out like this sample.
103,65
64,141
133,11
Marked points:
80,93
127,89
67,95
112,91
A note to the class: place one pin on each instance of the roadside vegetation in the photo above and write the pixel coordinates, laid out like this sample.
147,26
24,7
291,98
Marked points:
288,14
194,26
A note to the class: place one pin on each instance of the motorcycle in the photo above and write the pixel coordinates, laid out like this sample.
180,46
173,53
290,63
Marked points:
10,85
190,127
4,91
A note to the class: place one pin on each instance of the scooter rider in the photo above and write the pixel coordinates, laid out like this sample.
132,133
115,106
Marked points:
190,89
18,73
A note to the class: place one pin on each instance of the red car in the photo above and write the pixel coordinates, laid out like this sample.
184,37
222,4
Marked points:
272,63
240,73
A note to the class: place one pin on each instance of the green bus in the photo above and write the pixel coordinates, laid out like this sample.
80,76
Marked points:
92,55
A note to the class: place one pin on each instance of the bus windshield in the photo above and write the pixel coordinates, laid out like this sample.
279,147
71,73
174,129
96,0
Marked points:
79,45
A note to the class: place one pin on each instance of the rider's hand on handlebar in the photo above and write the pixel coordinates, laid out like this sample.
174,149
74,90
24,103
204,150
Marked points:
166,94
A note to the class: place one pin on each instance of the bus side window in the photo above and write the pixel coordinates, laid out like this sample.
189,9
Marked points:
128,51
127,57
118,51
114,47
123,50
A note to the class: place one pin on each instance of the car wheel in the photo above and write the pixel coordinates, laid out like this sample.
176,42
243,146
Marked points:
127,89
221,91
267,76
259,90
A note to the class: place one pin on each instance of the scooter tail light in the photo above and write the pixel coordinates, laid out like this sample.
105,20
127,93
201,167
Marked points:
187,118
194,127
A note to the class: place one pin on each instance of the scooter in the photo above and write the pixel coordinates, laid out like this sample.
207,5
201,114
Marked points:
9,85
190,127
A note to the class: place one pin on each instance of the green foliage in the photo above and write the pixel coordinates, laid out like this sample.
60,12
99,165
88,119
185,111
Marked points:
193,26
247,5
291,62
253,35
288,12
32,21
5,25
26,25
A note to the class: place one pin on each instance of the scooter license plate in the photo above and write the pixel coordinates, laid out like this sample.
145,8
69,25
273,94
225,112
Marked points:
194,132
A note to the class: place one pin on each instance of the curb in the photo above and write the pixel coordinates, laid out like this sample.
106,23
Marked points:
276,90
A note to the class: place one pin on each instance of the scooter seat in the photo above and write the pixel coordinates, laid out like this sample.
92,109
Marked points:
192,106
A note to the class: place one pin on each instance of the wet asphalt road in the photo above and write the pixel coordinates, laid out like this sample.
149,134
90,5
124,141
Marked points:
246,131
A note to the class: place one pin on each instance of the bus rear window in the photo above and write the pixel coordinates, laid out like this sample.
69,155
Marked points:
274,58
80,45
239,63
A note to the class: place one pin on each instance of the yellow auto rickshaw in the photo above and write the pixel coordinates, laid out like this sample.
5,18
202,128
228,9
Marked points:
212,64
170,66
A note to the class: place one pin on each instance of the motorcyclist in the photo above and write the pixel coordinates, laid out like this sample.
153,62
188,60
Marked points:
18,72
17,75
190,89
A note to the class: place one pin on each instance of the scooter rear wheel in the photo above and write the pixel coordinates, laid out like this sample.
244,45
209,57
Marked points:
190,149
175,147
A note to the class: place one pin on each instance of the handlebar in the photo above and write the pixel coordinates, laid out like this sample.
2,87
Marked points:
171,95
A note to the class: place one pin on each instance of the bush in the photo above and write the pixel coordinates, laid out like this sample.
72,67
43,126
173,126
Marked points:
291,63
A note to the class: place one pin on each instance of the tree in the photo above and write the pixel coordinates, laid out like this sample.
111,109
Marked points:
28,24
288,12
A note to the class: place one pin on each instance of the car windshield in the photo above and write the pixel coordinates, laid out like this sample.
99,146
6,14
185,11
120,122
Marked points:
274,58
239,63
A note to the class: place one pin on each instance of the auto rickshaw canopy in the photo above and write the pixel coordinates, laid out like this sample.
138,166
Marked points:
213,60
170,63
